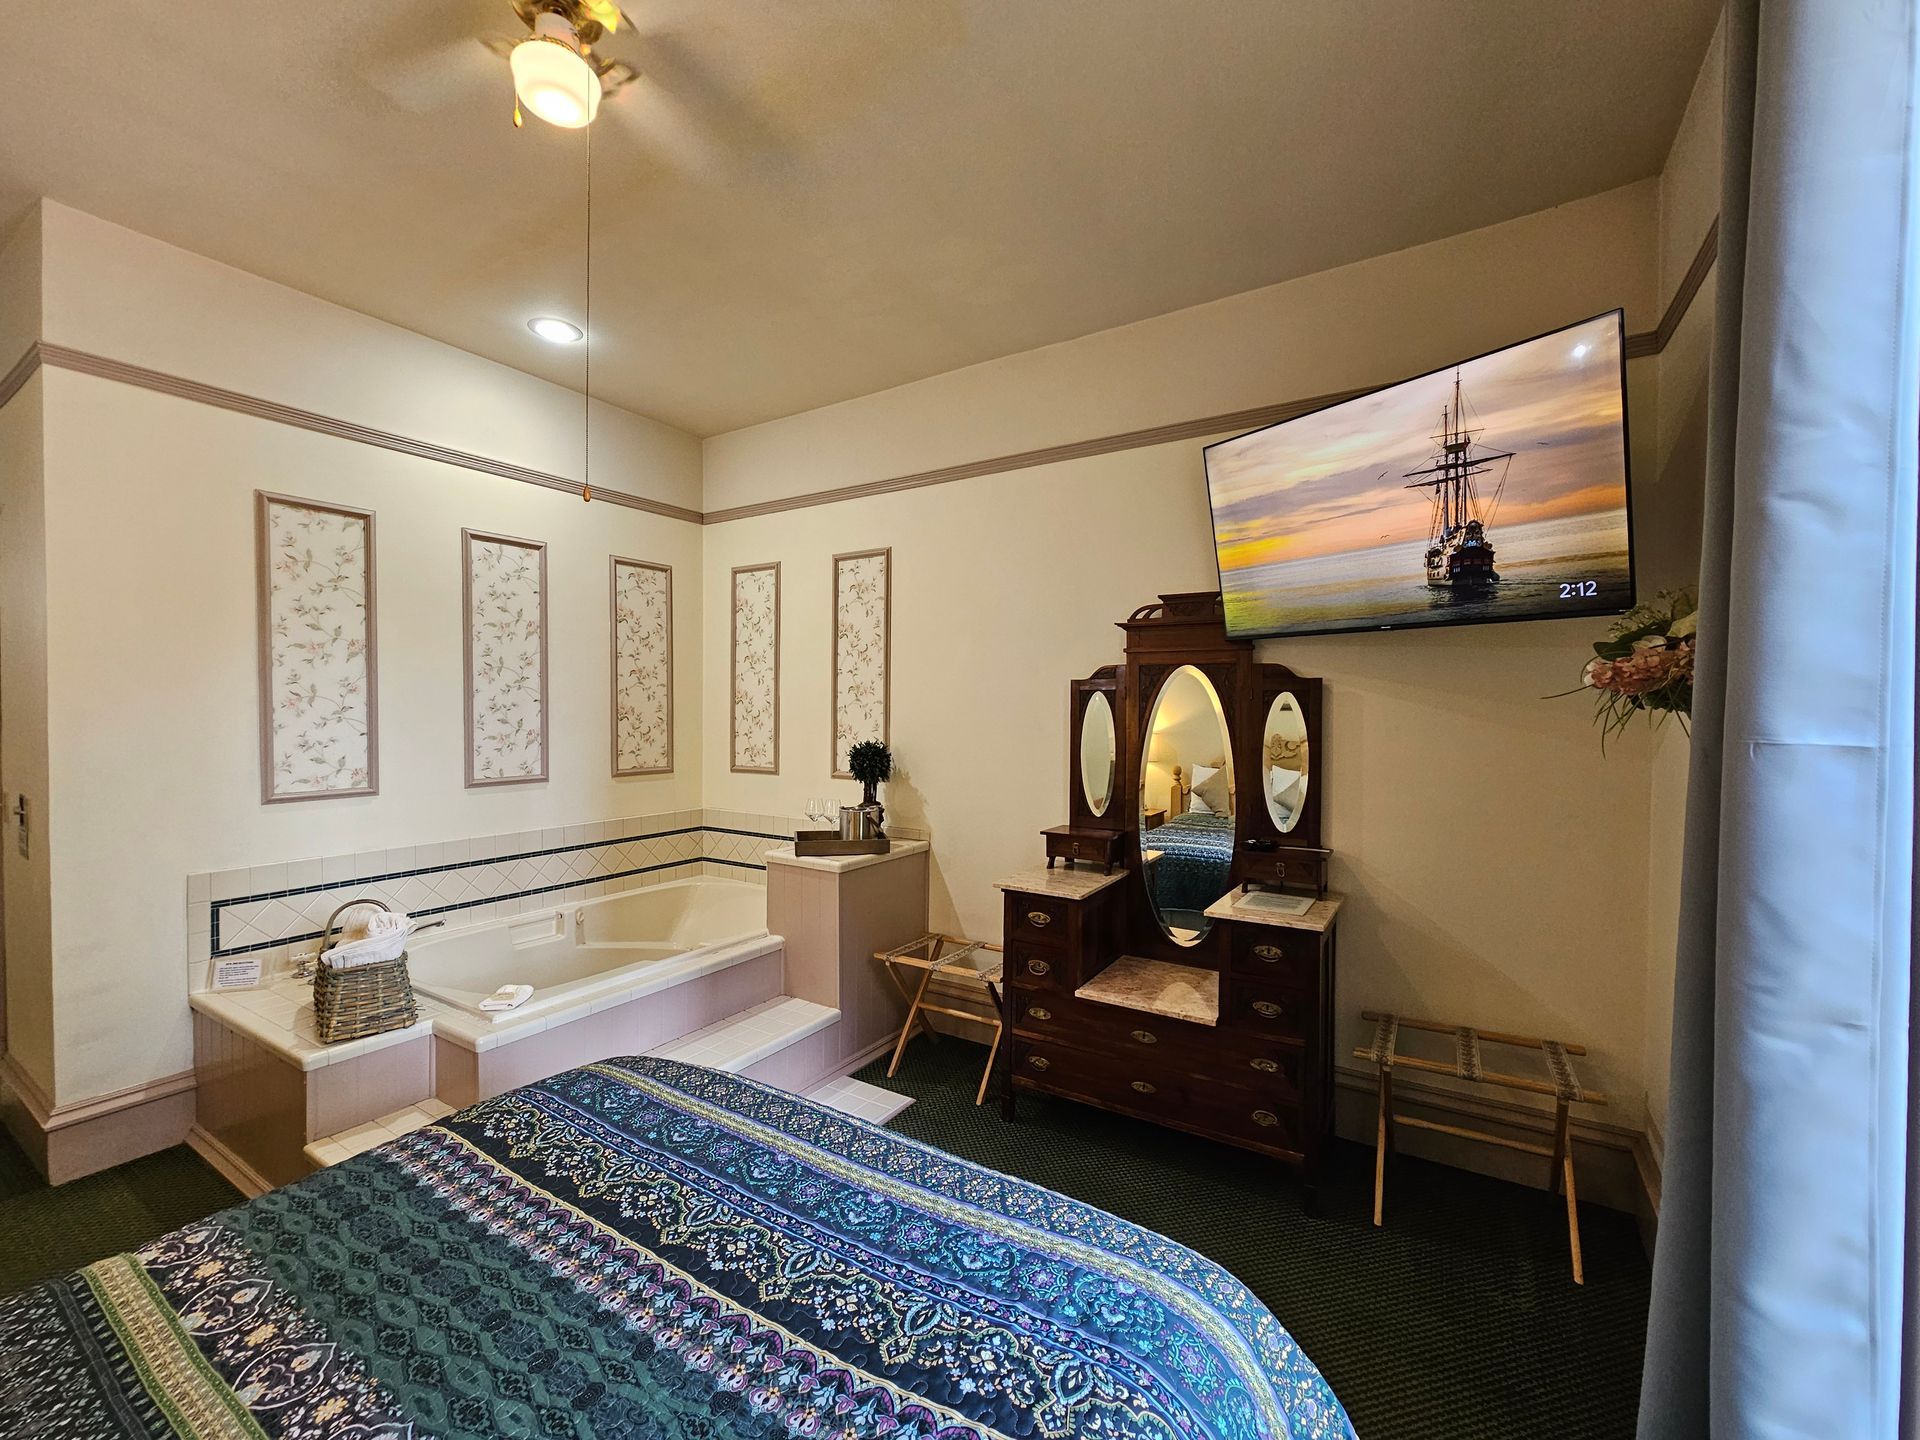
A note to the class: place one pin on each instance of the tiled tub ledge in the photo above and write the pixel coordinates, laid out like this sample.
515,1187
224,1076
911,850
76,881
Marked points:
268,1088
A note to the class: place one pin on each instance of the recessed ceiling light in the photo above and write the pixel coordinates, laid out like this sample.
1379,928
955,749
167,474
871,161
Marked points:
1580,352
551,327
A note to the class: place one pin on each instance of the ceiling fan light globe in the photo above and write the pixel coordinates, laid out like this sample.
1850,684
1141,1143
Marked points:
555,82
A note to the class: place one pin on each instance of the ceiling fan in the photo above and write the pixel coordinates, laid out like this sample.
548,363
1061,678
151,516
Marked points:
556,74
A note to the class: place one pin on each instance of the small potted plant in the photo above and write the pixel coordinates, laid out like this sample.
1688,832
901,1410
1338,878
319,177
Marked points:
871,763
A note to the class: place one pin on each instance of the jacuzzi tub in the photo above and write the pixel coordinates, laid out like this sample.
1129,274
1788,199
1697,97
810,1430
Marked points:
590,948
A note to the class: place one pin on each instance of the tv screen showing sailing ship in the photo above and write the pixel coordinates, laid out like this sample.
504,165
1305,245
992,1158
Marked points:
1495,489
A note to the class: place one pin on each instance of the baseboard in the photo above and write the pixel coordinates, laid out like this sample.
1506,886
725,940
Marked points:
1616,1167
68,1141
237,1173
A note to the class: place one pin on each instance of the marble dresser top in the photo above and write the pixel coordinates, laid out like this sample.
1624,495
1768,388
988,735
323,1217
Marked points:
1064,884
1319,915
1179,992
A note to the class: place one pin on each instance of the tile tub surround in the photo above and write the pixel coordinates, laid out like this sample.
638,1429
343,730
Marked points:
834,913
267,1088
277,911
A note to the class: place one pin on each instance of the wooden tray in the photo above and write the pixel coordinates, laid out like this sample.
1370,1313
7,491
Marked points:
828,843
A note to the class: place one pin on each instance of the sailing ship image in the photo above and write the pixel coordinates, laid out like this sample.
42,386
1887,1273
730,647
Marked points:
1459,554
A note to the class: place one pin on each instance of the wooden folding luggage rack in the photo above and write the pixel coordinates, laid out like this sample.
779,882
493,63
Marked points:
1561,1083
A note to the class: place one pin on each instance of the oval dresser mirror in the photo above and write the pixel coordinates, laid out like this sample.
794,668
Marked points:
1283,761
1098,751
1187,805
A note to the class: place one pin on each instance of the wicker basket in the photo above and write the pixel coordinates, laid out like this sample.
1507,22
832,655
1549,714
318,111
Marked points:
366,1000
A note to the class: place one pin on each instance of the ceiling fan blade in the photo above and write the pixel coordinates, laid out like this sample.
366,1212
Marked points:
651,114
424,57
435,77
684,107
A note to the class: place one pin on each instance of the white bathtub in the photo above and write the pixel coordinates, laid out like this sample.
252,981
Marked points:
589,949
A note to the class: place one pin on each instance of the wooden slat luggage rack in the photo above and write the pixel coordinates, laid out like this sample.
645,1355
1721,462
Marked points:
1561,1083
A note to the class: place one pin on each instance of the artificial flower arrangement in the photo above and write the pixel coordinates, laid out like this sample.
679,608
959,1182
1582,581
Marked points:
1644,666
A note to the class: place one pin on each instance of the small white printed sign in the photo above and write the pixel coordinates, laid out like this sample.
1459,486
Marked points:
238,974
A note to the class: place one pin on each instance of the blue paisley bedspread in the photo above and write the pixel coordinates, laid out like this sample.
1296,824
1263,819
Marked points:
645,1250
1196,859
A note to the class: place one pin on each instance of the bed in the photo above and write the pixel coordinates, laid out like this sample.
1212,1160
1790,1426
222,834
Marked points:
1196,860
645,1250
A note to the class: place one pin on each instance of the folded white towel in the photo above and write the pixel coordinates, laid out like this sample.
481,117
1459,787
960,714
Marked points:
507,997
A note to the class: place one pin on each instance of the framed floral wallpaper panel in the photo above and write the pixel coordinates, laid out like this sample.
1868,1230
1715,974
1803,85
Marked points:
862,651
754,724
319,690
642,628
505,607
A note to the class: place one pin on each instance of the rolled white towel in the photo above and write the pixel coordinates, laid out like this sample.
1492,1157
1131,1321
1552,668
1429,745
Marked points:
387,922
367,950
508,997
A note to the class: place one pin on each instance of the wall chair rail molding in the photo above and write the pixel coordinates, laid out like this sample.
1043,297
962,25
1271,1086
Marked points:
21,371
319,673
641,626
1638,346
862,652
504,605
101,367
753,722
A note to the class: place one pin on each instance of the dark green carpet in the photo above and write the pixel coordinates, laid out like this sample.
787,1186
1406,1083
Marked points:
1458,1319
49,1230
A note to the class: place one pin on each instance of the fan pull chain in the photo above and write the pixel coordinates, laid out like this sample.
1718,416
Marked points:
518,120
586,399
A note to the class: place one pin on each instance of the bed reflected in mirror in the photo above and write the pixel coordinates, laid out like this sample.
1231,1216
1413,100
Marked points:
1283,762
1187,805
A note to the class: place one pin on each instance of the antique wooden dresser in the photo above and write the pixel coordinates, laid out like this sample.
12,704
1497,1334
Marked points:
1194,987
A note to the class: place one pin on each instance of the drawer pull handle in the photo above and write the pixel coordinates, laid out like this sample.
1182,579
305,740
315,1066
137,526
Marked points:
1265,1117
1266,1008
1262,1063
1039,919
1038,967
1146,1037
1145,1087
1038,1062
1039,1012
1269,953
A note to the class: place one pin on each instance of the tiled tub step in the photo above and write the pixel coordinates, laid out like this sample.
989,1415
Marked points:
332,1149
742,1042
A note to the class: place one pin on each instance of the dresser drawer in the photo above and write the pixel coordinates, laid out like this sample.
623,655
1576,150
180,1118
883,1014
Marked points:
1143,1087
1270,1010
1028,964
1126,1037
1036,919
1274,956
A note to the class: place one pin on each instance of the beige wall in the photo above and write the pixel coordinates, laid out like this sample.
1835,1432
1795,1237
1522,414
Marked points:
1497,863
150,586
23,734
28,963
1689,201
113,292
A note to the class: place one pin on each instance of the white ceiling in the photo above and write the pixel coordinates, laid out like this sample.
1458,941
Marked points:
806,201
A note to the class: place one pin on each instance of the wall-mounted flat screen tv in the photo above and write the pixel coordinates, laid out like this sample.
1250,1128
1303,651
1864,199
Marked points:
1495,489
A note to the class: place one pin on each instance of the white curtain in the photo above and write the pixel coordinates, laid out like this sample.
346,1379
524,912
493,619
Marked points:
1781,1267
